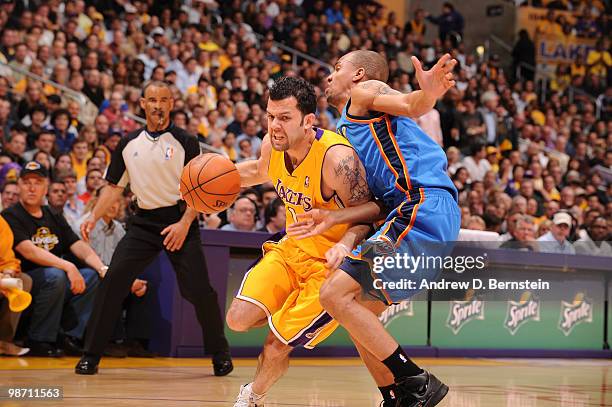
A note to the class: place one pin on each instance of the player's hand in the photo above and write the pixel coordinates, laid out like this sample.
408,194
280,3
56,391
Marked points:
336,255
9,273
311,223
87,226
77,282
438,79
175,235
139,287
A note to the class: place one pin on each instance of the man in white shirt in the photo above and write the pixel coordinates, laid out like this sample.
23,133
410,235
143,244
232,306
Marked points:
555,241
476,163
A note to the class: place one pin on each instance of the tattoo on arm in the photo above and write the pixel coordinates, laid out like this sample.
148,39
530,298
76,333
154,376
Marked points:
379,88
348,171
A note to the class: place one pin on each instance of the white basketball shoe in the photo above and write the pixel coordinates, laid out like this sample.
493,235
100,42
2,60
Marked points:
247,398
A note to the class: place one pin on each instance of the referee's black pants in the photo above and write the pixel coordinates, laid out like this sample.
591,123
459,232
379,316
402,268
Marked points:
138,248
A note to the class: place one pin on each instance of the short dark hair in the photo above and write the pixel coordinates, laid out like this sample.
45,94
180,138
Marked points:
58,113
272,209
300,89
7,183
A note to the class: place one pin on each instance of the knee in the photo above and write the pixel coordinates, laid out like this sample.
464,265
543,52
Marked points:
333,299
235,320
90,277
55,279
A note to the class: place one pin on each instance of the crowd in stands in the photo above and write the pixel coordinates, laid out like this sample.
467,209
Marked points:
533,167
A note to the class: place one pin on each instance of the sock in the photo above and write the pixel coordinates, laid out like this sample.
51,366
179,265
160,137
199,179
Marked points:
388,392
256,397
400,364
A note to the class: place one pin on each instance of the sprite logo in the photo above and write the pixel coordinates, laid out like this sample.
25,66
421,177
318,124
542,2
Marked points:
575,313
462,312
526,309
404,308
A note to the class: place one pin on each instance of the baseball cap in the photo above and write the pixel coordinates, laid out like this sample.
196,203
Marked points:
562,217
157,31
34,167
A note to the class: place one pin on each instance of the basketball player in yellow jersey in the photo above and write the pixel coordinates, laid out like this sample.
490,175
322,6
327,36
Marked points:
310,168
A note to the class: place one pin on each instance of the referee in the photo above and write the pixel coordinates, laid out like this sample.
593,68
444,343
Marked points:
151,160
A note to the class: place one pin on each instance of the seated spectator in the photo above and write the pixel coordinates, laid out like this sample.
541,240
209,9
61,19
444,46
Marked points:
62,294
115,113
556,241
45,141
79,154
594,243
274,216
36,122
10,267
229,143
44,159
56,196
245,151
241,215
476,163
544,228
250,133
93,182
63,163
74,207
475,222
15,146
10,194
523,235
65,134
132,335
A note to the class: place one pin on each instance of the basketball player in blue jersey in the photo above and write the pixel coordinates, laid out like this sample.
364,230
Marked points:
406,171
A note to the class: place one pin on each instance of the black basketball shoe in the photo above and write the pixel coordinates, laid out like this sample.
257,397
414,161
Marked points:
424,390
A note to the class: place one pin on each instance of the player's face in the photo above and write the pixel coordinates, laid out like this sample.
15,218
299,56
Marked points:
340,82
157,104
286,125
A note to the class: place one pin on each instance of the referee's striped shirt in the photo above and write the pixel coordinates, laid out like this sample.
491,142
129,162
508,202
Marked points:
152,163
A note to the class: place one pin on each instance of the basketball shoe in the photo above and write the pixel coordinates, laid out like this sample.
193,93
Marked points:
247,398
424,390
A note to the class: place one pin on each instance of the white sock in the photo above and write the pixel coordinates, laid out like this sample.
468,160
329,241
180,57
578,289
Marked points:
257,397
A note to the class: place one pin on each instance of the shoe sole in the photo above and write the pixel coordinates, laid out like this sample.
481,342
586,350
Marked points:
438,396
88,373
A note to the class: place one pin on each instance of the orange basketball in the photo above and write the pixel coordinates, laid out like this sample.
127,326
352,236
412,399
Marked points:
210,183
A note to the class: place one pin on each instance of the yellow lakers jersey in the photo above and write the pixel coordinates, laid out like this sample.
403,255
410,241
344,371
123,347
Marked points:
300,190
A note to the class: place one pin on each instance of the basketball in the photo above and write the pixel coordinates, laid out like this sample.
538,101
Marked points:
210,183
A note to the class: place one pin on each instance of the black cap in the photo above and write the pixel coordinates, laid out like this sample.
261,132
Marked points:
34,167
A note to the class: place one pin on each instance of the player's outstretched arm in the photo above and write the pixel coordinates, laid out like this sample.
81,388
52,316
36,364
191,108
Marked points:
255,172
377,96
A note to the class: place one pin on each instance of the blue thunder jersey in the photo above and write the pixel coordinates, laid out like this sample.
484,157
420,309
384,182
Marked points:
397,155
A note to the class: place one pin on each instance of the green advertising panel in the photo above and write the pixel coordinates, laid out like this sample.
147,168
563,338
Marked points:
406,321
568,317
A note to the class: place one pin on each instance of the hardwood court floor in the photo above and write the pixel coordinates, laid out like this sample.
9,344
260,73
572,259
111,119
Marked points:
312,382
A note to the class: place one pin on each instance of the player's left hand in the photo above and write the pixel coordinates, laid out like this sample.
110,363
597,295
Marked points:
336,255
175,235
311,223
438,79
